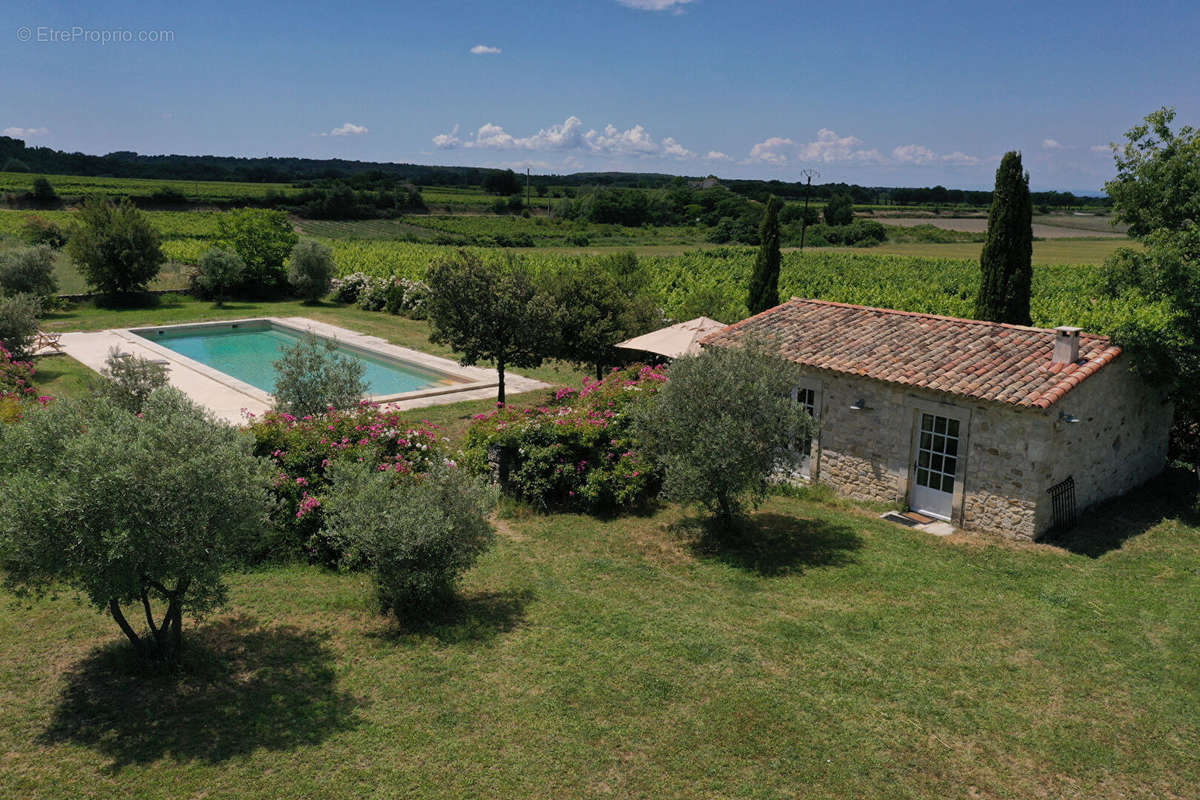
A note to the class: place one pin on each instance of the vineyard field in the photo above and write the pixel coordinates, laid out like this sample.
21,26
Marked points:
203,191
713,282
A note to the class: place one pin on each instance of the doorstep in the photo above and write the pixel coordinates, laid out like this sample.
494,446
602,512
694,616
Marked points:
913,519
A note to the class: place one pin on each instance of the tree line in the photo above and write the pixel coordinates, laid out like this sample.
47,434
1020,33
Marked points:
16,156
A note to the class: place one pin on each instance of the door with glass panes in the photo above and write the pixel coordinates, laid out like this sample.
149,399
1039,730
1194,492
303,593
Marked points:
806,398
936,468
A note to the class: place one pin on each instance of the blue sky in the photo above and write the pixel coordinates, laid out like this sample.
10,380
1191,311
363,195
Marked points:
912,93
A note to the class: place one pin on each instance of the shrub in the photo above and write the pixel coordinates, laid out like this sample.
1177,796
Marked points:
16,387
418,536
130,380
116,248
407,296
219,271
722,426
577,452
310,271
43,193
19,323
128,509
37,230
349,288
302,449
28,270
374,295
312,377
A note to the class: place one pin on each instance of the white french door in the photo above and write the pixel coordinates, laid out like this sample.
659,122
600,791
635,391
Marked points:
806,398
936,468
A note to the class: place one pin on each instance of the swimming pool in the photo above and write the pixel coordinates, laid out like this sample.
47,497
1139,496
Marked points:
248,351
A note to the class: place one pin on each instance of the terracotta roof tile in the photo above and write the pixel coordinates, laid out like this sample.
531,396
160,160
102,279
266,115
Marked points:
982,360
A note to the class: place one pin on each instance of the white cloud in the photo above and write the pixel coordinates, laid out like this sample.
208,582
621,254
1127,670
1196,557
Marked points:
1101,148
828,148
919,155
672,148
914,154
674,6
1051,144
960,159
24,133
772,151
349,129
717,155
568,136
485,50
447,141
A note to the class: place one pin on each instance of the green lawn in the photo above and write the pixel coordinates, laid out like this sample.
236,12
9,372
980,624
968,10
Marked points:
830,655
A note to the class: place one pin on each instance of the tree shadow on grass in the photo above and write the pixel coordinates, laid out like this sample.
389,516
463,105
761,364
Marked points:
1107,526
239,688
773,544
464,619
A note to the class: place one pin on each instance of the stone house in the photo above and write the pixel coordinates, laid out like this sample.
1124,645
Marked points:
998,428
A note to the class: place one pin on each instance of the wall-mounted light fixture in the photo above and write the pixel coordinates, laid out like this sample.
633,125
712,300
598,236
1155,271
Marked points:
1068,418
859,405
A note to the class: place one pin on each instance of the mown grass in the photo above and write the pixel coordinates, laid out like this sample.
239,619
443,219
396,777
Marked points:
824,654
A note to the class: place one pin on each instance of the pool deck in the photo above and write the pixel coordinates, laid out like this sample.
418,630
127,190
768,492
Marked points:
230,399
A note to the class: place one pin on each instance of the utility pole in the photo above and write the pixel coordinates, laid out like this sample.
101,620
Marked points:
810,174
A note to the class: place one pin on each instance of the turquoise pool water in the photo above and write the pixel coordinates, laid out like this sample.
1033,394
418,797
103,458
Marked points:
249,353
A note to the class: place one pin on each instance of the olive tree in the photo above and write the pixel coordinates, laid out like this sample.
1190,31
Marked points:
219,271
135,510
28,270
129,380
417,535
723,425
310,271
19,316
311,376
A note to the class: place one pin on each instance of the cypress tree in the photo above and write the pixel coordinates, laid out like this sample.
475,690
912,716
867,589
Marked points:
1007,260
764,283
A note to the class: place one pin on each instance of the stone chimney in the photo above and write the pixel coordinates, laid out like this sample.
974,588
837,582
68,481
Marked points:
1066,345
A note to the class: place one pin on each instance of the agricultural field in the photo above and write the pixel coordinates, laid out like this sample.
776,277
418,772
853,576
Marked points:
196,191
687,276
1045,226
457,200
1047,251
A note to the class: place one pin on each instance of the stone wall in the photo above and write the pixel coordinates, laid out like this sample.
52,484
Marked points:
1120,441
868,454
1013,456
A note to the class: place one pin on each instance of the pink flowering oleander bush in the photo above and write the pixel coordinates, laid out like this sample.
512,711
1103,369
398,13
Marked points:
576,452
17,392
303,449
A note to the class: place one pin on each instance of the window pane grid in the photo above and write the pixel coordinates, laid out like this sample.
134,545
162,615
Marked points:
937,453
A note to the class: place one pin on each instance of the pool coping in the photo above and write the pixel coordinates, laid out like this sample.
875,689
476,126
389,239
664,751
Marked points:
234,399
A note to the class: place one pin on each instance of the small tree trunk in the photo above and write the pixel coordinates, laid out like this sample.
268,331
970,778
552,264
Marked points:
599,371
114,608
500,372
